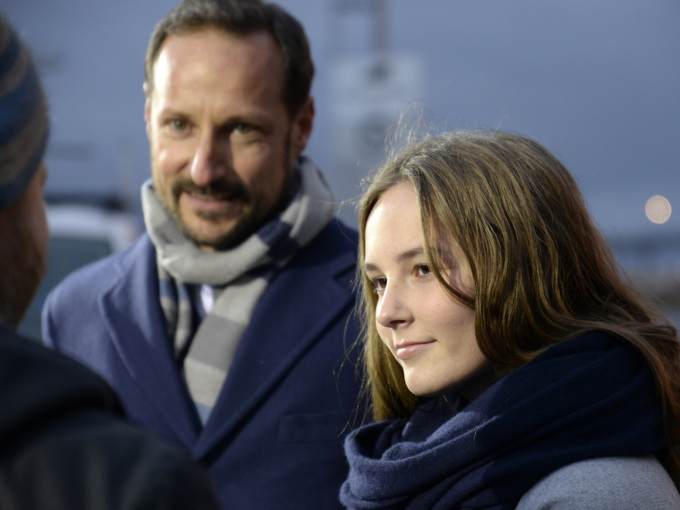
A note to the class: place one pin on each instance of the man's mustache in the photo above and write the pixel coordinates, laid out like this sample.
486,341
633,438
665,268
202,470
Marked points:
214,191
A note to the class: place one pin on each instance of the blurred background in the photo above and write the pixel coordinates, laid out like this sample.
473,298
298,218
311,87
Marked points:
596,81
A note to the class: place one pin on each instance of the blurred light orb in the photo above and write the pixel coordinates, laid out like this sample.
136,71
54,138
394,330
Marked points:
658,209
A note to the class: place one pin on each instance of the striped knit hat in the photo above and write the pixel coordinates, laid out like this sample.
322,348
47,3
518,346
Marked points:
24,121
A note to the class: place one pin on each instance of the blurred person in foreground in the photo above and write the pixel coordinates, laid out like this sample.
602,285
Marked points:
223,327
508,362
63,441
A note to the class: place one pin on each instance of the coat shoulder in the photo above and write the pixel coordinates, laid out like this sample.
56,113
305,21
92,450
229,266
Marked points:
625,483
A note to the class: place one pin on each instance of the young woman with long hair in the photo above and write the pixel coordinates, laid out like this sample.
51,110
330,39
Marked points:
508,359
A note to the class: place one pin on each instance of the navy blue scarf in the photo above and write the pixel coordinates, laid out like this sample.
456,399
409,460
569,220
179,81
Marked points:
593,396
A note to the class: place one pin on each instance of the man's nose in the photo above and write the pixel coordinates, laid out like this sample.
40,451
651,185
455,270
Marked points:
210,160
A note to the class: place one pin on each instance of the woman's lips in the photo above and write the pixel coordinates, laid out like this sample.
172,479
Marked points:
407,350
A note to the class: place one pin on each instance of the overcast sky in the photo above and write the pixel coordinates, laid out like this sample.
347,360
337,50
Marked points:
597,82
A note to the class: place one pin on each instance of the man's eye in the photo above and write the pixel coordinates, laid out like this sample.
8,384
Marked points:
243,129
179,124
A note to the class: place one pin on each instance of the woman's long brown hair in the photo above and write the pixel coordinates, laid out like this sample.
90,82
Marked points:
543,272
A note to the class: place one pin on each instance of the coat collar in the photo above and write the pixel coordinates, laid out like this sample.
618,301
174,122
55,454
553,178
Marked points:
310,283
132,314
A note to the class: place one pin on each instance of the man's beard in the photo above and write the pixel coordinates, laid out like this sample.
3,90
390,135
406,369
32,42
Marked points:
251,217
245,223
24,262
249,220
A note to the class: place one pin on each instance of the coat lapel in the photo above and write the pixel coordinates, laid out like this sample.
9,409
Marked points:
134,319
291,316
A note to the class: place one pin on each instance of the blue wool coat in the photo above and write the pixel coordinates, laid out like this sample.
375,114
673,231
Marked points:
274,438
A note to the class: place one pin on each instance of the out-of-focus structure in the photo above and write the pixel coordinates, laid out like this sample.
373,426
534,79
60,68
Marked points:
596,82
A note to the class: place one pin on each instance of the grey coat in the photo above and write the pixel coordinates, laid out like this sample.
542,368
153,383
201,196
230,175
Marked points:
605,484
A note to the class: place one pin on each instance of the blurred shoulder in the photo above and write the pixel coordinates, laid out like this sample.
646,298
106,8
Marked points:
605,483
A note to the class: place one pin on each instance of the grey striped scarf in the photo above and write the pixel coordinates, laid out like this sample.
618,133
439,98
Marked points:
239,277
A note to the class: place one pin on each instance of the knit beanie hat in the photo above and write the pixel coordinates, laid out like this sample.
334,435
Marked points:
23,116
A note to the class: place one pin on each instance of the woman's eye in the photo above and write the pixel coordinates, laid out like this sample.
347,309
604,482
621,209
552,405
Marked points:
379,284
422,269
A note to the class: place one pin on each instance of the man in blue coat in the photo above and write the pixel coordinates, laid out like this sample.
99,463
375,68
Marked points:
227,326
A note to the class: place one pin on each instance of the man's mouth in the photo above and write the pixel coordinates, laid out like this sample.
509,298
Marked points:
214,193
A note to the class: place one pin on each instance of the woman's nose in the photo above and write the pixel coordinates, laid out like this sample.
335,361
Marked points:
392,309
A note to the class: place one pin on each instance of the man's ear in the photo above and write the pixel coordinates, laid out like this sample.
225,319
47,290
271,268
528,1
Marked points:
302,125
147,108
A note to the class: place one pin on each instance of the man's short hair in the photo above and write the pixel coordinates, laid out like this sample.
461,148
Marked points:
242,18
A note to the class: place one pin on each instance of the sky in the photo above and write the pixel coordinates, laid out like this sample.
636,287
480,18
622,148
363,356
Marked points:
595,81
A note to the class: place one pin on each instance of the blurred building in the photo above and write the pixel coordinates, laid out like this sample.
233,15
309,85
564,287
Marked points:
596,82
